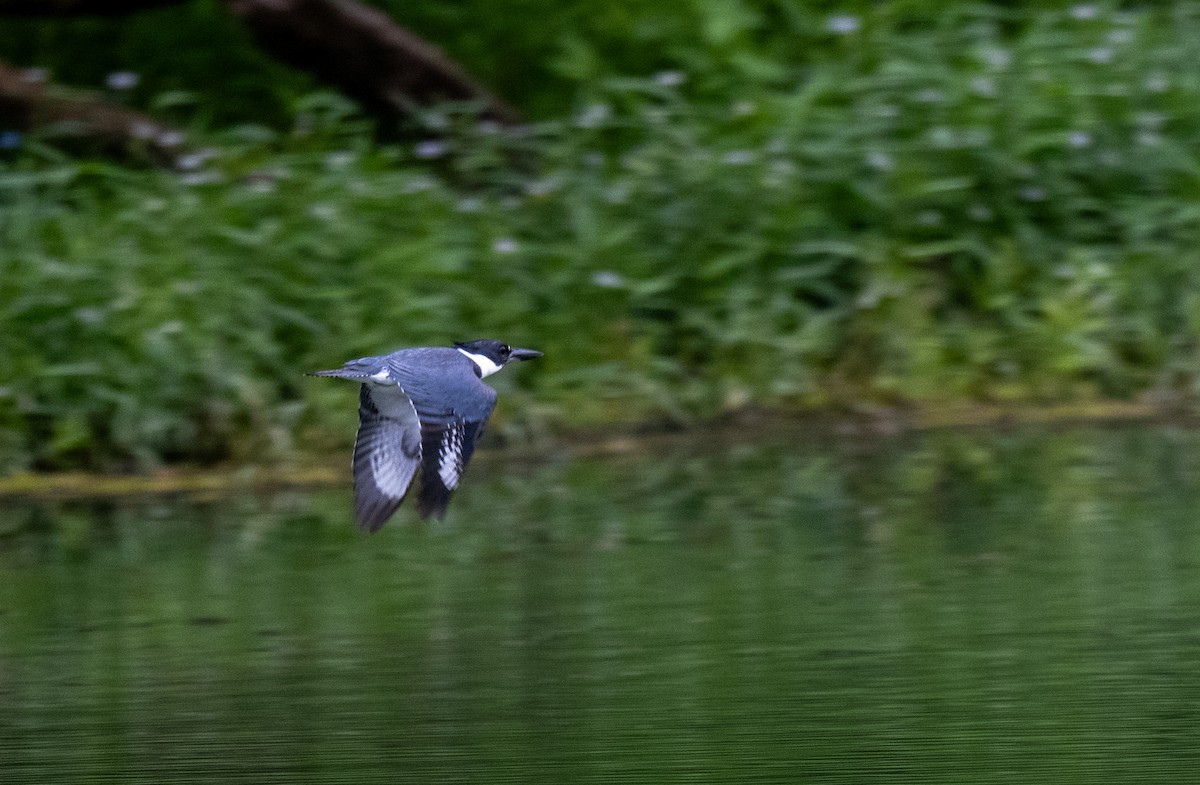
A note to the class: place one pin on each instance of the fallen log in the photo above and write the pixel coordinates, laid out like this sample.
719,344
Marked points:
357,49
366,55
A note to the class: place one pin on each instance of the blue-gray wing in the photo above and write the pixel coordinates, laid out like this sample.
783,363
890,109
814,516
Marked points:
387,452
453,407
447,443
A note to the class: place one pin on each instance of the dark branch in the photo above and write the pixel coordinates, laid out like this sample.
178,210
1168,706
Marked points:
345,43
80,7
28,104
365,54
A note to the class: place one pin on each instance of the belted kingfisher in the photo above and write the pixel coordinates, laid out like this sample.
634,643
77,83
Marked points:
419,409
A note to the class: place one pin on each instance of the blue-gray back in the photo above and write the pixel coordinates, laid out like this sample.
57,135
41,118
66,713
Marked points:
442,380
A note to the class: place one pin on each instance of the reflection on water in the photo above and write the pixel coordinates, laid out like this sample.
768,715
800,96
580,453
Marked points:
957,608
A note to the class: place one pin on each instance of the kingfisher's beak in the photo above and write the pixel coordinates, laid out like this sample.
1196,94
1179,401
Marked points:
524,354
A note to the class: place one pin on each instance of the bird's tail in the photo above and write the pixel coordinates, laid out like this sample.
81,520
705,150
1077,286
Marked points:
355,369
340,373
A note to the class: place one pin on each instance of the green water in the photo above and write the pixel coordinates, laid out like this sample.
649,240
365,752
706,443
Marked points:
953,608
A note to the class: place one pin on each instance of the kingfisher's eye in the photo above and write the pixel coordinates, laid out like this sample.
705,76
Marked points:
505,349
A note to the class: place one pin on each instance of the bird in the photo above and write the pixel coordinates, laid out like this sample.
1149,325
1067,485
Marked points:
421,412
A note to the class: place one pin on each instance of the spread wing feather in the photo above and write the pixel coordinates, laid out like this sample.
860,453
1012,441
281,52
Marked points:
452,407
447,443
413,423
387,453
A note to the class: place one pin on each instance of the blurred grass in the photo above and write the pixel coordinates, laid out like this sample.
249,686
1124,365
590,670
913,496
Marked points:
992,205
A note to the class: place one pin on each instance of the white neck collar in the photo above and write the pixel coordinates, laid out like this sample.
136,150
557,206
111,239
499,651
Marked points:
486,366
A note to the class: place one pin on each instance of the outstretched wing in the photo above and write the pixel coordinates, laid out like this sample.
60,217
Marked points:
447,442
387,452
420,411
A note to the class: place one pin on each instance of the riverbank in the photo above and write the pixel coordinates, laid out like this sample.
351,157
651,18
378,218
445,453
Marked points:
312,471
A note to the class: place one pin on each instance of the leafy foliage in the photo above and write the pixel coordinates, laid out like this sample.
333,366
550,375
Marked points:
999,205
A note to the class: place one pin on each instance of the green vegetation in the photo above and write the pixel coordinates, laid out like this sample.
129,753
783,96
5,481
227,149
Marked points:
913,205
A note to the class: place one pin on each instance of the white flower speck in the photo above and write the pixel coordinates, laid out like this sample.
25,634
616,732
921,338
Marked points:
593,116
35,75
929,218
743,108
879,161
171,138
778,173
543,187
1101,55
469,204
869,298
189,162
339,159
738,157
607,279
89,315
200,178
1032,193
843,24
1079,139
942,137
618,193
930,95
419,184
1156,83
323,211
121,80
1119,36
670,78
778,146
655,115
1148,138
1150,121
435,121
1083,11
431,148
195,160
504,245
984,86
996,58
142,130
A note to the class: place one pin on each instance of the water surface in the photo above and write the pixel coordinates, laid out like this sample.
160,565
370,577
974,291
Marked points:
961,607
